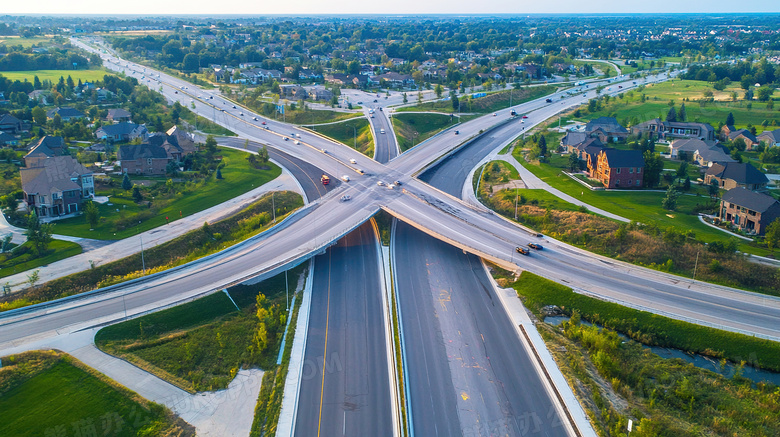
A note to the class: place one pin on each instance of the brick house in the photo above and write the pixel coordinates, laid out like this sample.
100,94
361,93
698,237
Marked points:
748,210
146,159
736,175
56,185
618,168
746,136
606,128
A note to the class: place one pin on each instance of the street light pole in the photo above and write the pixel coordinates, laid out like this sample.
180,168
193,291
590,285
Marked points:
287,290
273,204
140,237
517,190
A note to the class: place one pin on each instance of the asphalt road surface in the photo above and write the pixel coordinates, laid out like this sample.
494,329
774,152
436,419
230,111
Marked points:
308,175
385,147
344,387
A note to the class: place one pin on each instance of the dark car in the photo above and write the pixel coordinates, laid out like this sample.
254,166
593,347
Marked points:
548,100
535,246
521,250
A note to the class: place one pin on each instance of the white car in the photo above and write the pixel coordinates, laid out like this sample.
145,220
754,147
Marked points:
297,142
352,161
381,131
346,197
380,183
345,178
390,186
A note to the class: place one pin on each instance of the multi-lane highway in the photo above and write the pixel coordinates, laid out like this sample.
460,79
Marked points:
345,390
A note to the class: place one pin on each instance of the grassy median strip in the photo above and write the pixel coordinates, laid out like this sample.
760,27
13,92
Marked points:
52,394
354,133
201,345
645,327
209,239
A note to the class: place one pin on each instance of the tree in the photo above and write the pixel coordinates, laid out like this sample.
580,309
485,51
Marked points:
765,93
137,196
542,145
455,101
682,170
262,153
772,234
687,183
191,63
671,115
172,168
670,201
33,278
574,162
682,115
653,166
126,184
92,214
38,234
219,173
211,145
39,115
406,99
438,90
730,119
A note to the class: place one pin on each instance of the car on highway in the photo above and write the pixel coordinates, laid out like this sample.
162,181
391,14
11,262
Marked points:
380,183
325,151
381,131
241,114
375,101
345,178
494,114
176,92
521,250
360,103
391,186
234,106
346,197
297,142
535,246
397,183
361,171
548,100
352,161
286,139
264,123
525,116
457,132
380,108
255,119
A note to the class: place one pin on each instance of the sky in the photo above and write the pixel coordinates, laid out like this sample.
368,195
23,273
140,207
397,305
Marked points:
309,7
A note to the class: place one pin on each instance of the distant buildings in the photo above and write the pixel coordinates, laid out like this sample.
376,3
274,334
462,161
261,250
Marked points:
675,129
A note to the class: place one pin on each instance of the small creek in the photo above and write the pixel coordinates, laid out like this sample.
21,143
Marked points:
701,361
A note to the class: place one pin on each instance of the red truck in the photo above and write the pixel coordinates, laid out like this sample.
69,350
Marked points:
325,180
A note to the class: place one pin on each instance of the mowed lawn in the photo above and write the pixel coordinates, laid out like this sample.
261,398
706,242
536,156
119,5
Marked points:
24,42
238,178
57,250
54,75
413,128
355,133
65,400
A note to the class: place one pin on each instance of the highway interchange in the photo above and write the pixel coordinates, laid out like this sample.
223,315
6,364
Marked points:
436,210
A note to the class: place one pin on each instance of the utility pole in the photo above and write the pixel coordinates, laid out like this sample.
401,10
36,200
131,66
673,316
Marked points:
695,266
517,190
273,204
143,263
287,288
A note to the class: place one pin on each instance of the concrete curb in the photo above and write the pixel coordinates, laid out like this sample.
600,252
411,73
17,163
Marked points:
548,371
287,416
404,366
384,260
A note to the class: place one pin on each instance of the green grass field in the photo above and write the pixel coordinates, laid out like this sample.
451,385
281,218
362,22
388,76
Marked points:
631,110
24,42
315,116
347,132
58,249
238,176
412,129
482,105
44,393
200,345
648,328
54,75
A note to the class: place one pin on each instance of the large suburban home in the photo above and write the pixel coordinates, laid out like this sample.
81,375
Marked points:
319,92
606,128
618,168
121,132
748,210
66,113
746,136
46,147
675,129
56,185
770,138
143,159
694,149
118,115
10,124
736,175
711,156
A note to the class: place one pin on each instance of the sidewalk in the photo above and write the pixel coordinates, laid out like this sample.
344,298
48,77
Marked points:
115,250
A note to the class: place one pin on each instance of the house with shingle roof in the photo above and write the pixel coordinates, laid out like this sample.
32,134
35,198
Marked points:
56,185
746,136
146,159
66,113
118,115
8,140
770,137
616,168
10,124
121,132
675,129
45,147
736,175
748,210
606,128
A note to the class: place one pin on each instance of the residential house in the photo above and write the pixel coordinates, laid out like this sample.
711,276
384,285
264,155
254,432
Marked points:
8,140
146,159
688,147
746,136
10,124
770,138
56,185
295,92
736,174
675,129
118,115
40,96
46,147
121,132
582,145
66,113
394,79
606,128
726,130
711,156
319,92
748,210
618,168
